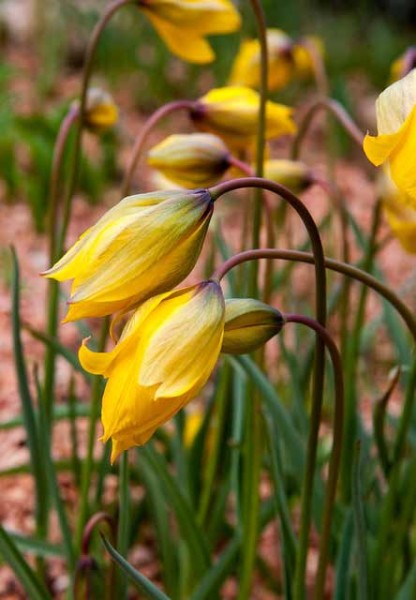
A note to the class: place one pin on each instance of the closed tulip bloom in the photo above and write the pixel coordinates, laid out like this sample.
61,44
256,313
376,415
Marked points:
101,112
249,324
184,24
191,160
146,244
233,112
246,68
293,174
163,359
395,143
400,216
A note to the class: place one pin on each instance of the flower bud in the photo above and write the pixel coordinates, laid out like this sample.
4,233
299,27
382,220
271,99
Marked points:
190,160
293,174
100,110
233,112
146,244
248,325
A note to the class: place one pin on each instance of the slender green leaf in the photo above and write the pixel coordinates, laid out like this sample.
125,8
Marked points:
144,585
27,577
192,534
36,547
342,569
359,526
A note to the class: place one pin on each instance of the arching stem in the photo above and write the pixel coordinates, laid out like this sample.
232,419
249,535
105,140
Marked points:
335,460
318,382
338,112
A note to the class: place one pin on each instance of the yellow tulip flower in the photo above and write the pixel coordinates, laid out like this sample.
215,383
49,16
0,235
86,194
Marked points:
399,214
248,325
146,244
396,140
163,359
232,112
100,111
184,24
293,174
246,68
191,160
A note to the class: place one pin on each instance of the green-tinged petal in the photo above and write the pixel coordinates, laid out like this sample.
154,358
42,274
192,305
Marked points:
395,104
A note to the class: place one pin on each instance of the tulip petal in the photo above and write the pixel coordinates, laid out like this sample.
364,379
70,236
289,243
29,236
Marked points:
379,148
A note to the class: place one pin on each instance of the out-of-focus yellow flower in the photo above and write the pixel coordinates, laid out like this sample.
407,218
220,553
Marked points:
246,68
303,57
399,214
191,160
287,60
146,244
293,174
163,359
403,64
101,112
396,139
248,325
232,113
184,24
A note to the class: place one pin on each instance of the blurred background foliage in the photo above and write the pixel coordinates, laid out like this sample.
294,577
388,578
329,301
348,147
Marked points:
361,38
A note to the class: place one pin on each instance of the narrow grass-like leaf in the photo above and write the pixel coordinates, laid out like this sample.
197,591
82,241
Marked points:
191,532
123,520
342,568
60,349
160,518
144,585
294,444
36,547
359,526
408,588
61,411
27,577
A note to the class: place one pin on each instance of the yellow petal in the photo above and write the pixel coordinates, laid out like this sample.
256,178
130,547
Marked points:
378,148
403,158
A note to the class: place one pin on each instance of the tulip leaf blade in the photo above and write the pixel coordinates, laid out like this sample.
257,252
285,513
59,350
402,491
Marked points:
143,584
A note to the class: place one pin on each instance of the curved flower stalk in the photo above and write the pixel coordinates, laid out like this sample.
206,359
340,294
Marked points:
232,113
395,143
183,24
144,245
400,214
163,359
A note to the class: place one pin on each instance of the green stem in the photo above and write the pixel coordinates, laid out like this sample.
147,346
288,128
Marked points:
406,416
353,352
318,383
336,446
333,265
338,112
88,464
157,116
261,137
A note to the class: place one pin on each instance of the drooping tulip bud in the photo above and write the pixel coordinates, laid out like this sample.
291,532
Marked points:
293,174
191,160
101,112
146,244
232,113
248,325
